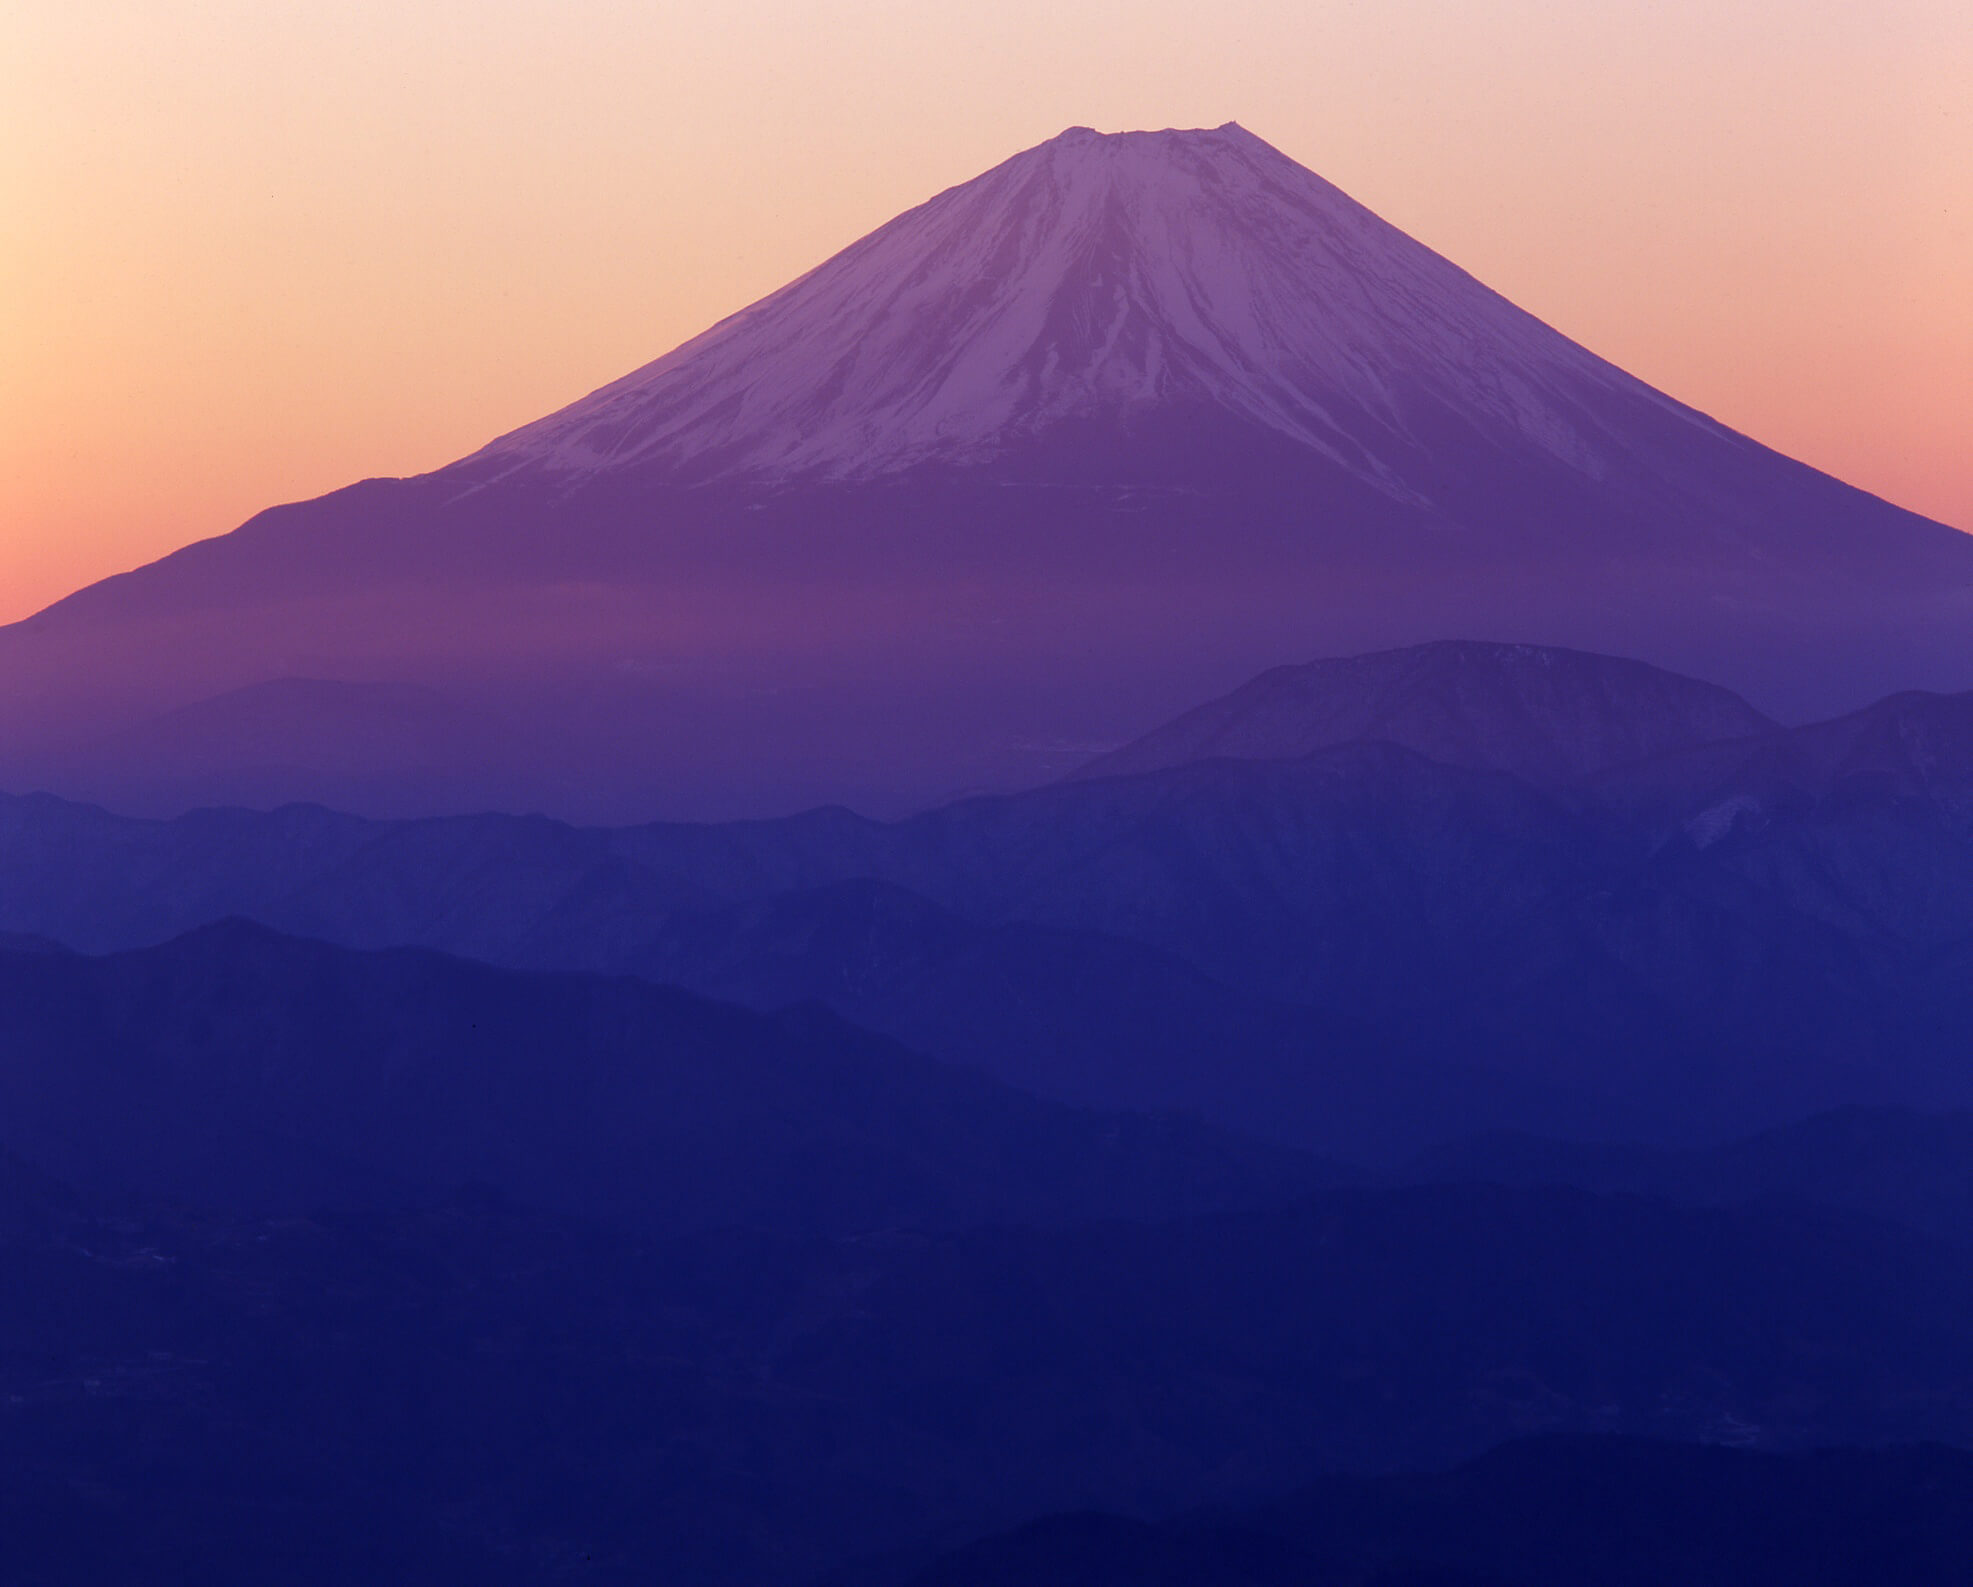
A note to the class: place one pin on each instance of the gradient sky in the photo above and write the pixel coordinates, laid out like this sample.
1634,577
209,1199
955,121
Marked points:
256,249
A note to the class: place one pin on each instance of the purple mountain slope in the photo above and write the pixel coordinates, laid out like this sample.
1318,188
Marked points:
398,748
1022,473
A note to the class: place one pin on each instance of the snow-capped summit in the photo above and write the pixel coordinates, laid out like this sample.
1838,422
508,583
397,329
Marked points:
1044,461
1096,280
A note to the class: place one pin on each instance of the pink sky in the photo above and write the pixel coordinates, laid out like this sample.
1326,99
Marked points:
253,252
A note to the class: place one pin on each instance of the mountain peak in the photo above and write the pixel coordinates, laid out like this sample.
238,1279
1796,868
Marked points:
1097,287
1166,136
1165,155
1123,420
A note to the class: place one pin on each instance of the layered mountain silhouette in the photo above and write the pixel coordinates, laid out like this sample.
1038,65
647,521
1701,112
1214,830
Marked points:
777,1068
239,1068
1095,435
1359,948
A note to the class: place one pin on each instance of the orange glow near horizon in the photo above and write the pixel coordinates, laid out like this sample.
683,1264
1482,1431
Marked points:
255,251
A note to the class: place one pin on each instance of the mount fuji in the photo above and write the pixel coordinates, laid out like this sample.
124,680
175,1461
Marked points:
1100,433
1098,284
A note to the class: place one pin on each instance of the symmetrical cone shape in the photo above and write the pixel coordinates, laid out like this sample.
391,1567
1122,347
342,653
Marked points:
1043,461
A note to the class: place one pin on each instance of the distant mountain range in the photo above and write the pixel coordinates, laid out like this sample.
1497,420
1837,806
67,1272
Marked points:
1094,435
1359,949
1548,716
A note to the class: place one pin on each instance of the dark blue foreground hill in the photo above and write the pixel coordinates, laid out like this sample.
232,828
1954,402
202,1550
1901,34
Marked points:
1542,1513
476,1393
247,1070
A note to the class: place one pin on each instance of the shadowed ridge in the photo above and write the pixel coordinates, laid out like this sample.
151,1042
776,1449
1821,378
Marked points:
29,942
1540,712
1550,1511
242,1068
1903,1166
1915,739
